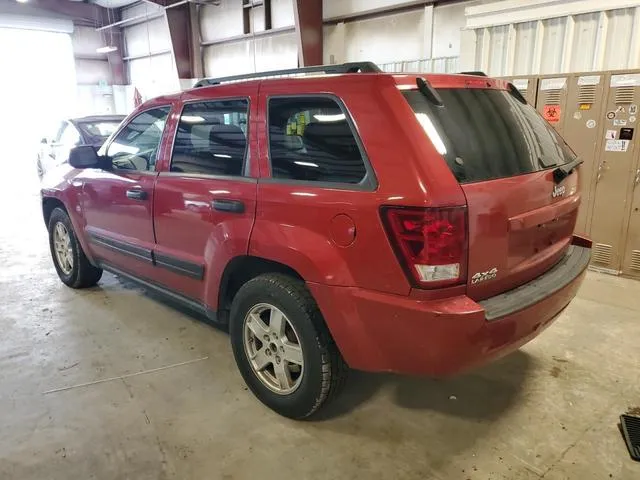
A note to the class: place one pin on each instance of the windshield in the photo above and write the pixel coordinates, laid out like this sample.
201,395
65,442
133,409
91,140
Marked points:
100,130
485,134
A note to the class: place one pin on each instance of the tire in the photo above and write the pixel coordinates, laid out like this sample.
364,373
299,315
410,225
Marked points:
79,273
323,371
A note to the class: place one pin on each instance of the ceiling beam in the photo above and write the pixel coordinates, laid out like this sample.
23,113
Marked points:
88,13
308,20
185,40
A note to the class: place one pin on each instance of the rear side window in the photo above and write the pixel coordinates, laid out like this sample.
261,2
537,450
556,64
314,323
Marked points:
310,139
486,134
212,138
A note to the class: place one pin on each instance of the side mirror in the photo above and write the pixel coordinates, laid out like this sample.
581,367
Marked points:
84,156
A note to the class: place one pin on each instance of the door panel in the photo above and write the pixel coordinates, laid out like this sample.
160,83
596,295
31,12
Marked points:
195,241
583,131
631,263
119,227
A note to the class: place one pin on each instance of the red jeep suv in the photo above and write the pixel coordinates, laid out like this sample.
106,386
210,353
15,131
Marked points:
338,217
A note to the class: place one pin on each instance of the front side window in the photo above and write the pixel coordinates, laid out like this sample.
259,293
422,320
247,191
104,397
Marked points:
212,138
310,139
137,144
70,137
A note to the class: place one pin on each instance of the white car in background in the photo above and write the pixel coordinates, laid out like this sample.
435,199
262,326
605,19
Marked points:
93,130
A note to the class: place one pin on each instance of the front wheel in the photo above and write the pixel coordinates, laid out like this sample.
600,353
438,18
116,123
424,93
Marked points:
282,346
72,265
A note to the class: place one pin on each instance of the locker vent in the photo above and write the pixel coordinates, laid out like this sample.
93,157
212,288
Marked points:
553,97
624,95
635,260
587,94
602,253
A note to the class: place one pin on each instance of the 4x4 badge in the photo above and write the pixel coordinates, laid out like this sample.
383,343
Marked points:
558,191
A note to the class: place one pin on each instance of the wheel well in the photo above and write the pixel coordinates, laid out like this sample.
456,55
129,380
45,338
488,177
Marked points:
239,271
48,206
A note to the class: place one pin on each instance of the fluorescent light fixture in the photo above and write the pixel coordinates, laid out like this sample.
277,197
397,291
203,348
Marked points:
22,1
306,164
106,49
221,155
192,118
329,118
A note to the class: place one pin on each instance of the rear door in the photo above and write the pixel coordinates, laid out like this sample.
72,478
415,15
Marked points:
503,154
205,195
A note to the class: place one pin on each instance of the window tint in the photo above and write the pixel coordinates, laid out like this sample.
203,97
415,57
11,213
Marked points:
136,146
211,138
486,134
310,139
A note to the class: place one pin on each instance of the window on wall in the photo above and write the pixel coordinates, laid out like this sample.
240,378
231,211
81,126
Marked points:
310,139
137,144
212,138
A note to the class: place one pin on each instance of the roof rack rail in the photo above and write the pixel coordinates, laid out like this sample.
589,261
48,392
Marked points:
351,67
476,73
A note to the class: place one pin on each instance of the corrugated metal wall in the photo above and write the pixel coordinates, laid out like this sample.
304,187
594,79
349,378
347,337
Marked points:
148,51
591,41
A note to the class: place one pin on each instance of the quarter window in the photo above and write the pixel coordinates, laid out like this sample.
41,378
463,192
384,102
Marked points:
212,138
136,146
310,139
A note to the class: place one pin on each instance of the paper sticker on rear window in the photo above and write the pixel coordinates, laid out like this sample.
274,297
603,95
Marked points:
616,146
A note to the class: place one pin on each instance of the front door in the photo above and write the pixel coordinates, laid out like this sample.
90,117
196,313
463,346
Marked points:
117,202
205,195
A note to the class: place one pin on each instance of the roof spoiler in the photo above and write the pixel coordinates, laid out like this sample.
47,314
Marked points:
477,74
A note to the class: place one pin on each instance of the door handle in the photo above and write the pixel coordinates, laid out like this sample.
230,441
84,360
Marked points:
232,206
636,181
136,194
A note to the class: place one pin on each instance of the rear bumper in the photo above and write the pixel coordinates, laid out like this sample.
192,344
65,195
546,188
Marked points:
381,332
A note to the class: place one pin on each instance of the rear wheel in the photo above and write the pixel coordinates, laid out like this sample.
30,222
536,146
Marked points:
282,346
72,265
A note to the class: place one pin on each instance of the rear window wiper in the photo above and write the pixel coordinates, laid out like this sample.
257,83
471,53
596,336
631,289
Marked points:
563,171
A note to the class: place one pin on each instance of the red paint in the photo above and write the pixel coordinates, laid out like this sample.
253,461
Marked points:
343,230
334,238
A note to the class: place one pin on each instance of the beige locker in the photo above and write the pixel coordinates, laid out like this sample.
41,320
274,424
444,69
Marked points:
583,131
528,87
615,173
552,100
631,260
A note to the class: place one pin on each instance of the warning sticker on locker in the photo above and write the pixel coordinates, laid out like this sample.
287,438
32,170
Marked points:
616,146
521,84
589,80
627,80
551,113
553,83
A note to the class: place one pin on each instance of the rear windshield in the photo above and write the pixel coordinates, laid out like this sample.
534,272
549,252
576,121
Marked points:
99,130
485,134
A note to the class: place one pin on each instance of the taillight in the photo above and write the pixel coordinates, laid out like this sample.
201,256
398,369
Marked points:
431,243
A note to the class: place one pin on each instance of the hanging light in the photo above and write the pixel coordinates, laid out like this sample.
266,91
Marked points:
109,47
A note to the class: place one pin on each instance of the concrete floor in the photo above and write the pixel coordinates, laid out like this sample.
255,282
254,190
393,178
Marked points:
165,399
